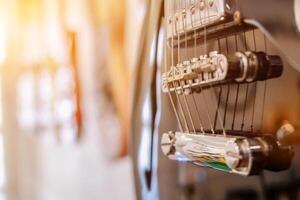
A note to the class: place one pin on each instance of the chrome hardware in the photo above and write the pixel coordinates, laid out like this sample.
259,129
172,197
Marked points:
215,69
191,24
198,72
211,15
256,66
204,13
234,154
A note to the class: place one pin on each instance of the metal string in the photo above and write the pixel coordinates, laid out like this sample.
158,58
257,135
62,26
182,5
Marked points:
206,102
211,89
186,53
247,90
166,70
178,61
195,55
255,88
237,90
265,89
172,65
202,91
228,88
220,92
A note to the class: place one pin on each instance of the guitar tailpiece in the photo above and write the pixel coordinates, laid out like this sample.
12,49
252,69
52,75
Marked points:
230,153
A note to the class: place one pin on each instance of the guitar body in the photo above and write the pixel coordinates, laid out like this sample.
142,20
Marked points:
270,105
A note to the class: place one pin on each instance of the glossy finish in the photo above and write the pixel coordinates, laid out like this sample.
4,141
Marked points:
156,177
278,19
145,114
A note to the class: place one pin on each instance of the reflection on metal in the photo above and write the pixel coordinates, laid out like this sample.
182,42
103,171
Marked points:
144,128
222,126
198,72
215,69
190,21
233,154
195,16
237,150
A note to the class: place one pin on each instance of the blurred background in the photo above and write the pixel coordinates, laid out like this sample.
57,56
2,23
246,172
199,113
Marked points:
65,67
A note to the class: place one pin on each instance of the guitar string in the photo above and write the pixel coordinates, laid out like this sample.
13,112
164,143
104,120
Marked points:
195,55
218,100
200,87
173,66
255,87
195,52
237,90
178,61
166,68
220,90
265,90
186,53
228,87
211,89
206,53
247,89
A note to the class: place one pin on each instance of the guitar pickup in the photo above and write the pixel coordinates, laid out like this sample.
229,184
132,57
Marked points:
205,19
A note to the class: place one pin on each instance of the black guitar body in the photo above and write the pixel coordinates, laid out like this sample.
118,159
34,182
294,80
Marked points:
157,177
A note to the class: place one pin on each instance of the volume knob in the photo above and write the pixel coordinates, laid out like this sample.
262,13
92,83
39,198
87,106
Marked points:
275,67
268,66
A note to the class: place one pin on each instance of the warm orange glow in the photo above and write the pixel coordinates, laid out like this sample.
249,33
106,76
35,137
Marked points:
2,45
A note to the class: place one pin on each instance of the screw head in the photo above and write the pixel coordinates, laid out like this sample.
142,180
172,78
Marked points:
237,17
193,9
202,5
183,13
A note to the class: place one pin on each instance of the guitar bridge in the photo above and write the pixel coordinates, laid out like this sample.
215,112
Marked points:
216,69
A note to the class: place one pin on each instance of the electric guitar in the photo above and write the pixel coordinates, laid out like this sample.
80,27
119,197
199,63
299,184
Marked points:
217,86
